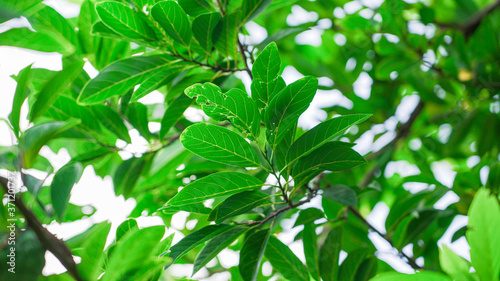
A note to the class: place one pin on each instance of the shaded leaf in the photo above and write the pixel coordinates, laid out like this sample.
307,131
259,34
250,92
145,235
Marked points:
61,186
203,29
174,113
311,252
308,215
239,204
329,255
225,35
196,7
285,261
112,121
196,208
341,194
251,254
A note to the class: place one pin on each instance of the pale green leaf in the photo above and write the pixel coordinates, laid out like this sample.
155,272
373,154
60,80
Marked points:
91,252
39,41
454,265
234,105
156,80
220,145
420,276
215,185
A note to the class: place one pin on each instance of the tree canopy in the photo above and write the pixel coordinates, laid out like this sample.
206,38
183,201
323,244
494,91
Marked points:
277,118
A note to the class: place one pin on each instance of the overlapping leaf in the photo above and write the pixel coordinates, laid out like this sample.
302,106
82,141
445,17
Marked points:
215,185
196,7
239,204
285,261
225,35
220,145
251,254
174,21
203,29
61,186
234,105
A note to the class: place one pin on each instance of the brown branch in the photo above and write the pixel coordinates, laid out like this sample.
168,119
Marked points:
403,132
48,240
410,260
245,60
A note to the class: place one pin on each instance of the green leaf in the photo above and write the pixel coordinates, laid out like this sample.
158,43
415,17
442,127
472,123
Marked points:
329,255
331,156
127,174
367,269
493,181
217,244
61,186
196,7
286,107
215,185
112,121
341,194
57,84
22,92
138,116
285,261
124,21
310,244
308,215
121,76
126,226
252,8
157,80
420,276
234,105
174,20
251,254
239,204
220,145
196,208
352,263
14,9
482,235
49,21
174,113
39,41
454,265
197,238
225,35
265,72
321,134
37,136
203,29
91,252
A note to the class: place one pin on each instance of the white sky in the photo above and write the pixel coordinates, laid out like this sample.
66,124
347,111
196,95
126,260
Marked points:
12,60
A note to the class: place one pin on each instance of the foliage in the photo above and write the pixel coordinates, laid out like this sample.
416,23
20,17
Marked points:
248,168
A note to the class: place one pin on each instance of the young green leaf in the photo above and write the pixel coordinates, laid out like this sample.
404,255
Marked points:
310,244
195,8
22,92
203,29
286,107
341,194
174,113
225,35
91,252
454,265
239,204
215,185
124,21
112,121
174,20
220,145
121,76
196,238
39,41
251,254
234,105
126,226
285,261
331,156
482,235
321,134
49,20
329,255
217,244
61,186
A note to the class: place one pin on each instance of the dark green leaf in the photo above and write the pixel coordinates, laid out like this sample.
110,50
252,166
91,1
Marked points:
196,208
121,76
286,107
239,204
310,243
196,7
308,215
352,263
138,116
112,121
61,186
174,20
217,244
215,185
252,8
329,255
225,35
220,145
342,194
251,254
234,105
127,175
285,261
22,92
174,113
203,29
265,72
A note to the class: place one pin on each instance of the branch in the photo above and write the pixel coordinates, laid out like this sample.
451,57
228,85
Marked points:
403,132
48,240
245,60
410,261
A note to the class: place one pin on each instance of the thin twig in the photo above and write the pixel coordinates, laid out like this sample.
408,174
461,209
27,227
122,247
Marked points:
245,60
